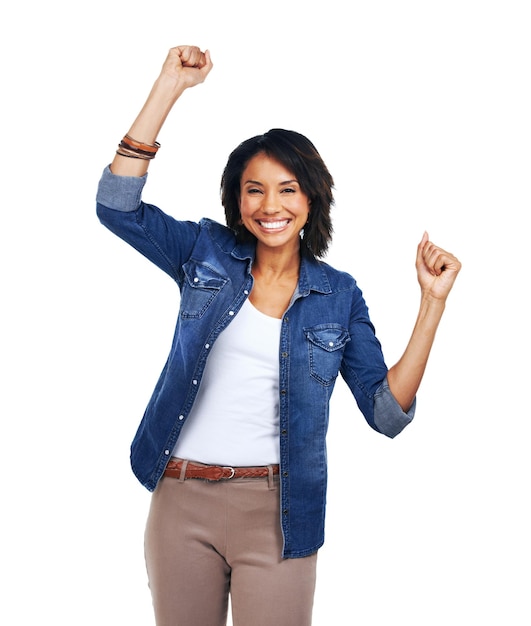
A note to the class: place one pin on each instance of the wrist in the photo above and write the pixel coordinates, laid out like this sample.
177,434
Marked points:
168,87
430,312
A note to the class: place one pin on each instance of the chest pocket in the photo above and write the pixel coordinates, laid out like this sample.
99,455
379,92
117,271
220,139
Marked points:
201,285
325,350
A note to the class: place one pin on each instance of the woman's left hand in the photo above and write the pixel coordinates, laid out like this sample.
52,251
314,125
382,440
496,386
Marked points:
436,269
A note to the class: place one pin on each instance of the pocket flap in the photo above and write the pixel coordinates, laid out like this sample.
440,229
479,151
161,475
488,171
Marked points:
202,276
329,337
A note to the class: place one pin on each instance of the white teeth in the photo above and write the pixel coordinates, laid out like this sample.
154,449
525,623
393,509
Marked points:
273,225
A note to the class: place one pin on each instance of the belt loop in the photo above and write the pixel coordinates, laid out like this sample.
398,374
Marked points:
270,480
183,470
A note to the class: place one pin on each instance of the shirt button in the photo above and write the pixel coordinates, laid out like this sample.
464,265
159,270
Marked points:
331,344
166,452
194,382
181,417
246,292
196,280
284,354
231,313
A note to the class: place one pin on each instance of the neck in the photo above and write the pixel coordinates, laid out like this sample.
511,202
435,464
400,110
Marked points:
273,264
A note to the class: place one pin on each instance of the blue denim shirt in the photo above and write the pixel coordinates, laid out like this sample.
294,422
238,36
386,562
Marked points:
325,331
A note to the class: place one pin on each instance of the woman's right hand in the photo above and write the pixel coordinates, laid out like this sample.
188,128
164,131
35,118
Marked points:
187,65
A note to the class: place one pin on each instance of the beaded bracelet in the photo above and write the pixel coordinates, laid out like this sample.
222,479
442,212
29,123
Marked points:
123,153
134,149
153,147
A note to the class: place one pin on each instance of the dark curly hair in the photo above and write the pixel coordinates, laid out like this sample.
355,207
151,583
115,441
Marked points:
299,156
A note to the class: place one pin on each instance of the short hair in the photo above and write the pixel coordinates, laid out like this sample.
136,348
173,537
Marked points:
297,154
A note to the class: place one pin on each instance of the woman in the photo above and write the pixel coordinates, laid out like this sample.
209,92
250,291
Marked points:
232,443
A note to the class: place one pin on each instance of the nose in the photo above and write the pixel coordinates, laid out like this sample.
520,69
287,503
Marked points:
271,204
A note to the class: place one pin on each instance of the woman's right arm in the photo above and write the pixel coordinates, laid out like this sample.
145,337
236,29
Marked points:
184,67
156,235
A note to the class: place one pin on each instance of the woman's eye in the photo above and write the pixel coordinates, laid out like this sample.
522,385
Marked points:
288,190
253,191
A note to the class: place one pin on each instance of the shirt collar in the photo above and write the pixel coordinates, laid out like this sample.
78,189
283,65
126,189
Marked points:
312,277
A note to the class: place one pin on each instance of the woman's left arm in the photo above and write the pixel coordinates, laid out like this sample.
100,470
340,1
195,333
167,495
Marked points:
436,273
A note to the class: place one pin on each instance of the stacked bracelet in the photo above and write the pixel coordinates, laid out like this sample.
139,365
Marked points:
134,149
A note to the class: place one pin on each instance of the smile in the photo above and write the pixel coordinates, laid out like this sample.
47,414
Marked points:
276,225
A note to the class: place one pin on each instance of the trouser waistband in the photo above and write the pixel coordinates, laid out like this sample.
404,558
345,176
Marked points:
183,469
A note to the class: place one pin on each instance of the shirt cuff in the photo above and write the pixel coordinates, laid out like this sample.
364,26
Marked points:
121,193
389,418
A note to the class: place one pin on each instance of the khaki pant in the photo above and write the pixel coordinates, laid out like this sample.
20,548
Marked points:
205,540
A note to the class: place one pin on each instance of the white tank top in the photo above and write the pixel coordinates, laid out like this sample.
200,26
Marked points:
235,417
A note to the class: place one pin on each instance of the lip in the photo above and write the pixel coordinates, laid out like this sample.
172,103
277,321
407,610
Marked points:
275,225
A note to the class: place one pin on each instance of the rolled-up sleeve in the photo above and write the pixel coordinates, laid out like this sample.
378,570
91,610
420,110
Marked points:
389,418
120,193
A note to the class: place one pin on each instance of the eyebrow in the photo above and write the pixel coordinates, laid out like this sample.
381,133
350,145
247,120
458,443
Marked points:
284,182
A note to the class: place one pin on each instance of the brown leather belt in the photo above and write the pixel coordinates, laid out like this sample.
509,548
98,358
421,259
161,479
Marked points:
174,469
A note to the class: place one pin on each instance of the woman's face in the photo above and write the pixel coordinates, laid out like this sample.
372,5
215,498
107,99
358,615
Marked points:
272,205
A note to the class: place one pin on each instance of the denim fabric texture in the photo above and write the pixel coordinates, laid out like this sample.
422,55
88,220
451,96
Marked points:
326,331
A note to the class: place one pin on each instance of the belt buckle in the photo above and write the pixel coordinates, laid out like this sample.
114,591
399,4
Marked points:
233,471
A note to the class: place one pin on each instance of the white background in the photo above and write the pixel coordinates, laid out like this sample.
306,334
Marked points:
421,111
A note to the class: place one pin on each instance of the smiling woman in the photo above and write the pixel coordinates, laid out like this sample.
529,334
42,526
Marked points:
274,211
272,203
303,172
232,443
